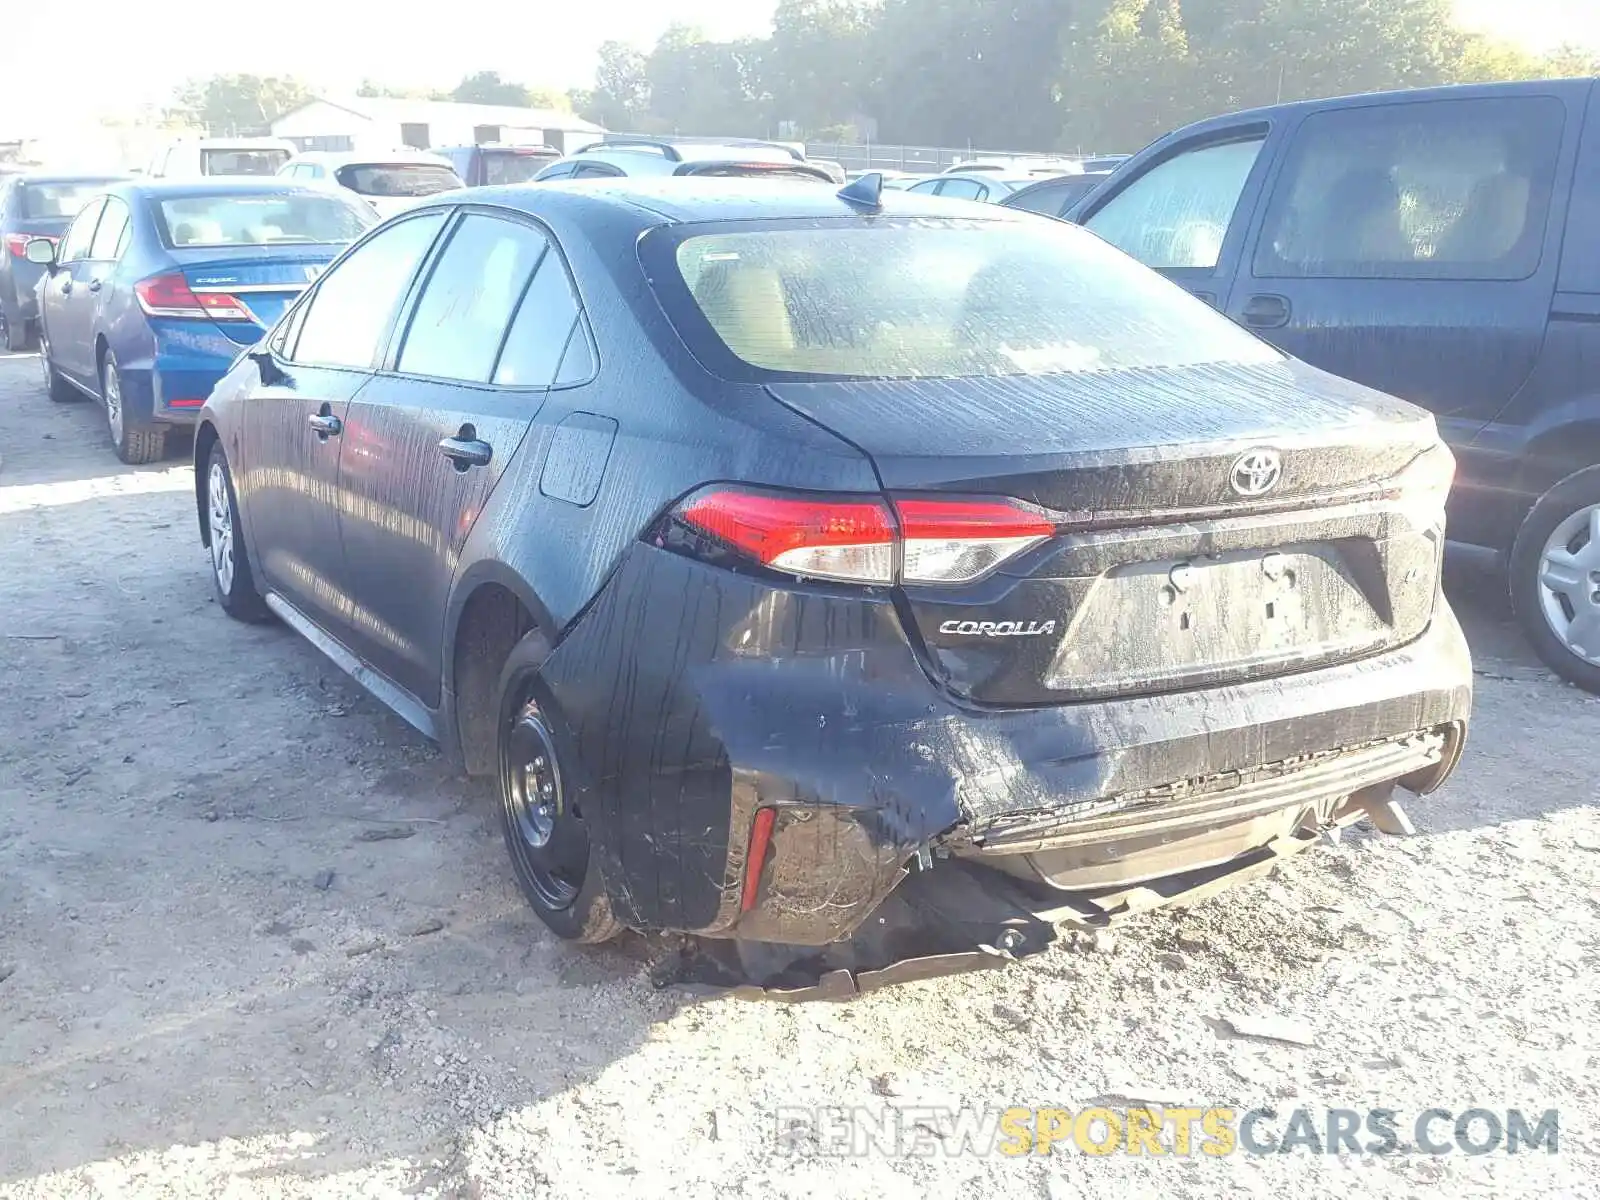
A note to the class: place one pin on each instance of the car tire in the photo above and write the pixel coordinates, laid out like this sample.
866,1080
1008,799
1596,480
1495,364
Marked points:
133,442
57,388
541,789
1555,578
231,574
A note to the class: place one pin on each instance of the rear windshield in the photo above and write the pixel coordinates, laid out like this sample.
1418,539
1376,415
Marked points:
507,166
918,298
242,162
47,201
397,179
275,219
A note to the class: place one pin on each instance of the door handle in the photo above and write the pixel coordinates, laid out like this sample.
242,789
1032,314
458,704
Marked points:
94,285
326,426
1266,312
66,287
465,450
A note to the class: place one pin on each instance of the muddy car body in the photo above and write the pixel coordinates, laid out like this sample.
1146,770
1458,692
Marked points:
755,602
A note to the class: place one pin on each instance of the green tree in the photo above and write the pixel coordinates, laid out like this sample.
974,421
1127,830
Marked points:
816,65
233,105
1041,74
370,89
486,87
702,87
985,73
1571,62
620,98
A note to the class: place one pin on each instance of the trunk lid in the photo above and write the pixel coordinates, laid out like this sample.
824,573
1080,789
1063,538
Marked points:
1162,575
264,282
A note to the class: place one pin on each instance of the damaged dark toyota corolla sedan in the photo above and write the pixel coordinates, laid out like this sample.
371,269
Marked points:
770,543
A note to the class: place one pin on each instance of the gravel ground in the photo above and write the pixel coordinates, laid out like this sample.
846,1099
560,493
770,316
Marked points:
256,941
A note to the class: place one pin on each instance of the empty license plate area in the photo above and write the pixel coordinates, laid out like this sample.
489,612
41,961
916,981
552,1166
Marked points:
1175,621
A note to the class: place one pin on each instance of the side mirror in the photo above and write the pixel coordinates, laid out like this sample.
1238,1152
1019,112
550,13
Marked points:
40,251
266,366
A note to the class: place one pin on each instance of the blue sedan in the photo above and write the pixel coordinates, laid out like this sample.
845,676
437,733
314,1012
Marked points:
157,287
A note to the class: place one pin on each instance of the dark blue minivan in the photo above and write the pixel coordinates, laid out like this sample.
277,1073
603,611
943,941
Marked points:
1442,245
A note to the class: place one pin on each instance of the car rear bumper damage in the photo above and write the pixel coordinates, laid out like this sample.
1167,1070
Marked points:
700,698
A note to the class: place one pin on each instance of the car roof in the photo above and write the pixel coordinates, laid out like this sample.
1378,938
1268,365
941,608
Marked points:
694,149
501,148
248,185
1008,177
27,177
679,199
1454,91
235,143
345,158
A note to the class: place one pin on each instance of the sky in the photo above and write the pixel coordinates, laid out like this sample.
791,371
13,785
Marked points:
122,56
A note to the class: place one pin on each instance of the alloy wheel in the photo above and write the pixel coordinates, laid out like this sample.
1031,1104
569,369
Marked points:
551,841
221,521
1569,579
113,391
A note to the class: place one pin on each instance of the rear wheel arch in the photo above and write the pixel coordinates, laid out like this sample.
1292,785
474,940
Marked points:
492,612
1554,455
205,436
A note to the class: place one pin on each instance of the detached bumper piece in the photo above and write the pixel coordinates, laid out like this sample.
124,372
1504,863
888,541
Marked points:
949,920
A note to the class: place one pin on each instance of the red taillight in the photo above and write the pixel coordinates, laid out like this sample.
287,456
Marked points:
17,243
825,538
170,296
197,403
756,859
862,540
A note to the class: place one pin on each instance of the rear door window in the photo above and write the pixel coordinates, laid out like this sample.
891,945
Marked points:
1177,213
461,319
80,234
112,232
545,325
350,311
1448,189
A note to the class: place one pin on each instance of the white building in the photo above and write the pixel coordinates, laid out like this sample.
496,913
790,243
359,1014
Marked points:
382,123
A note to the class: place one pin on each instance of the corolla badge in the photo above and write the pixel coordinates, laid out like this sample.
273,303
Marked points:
1256,472
998,628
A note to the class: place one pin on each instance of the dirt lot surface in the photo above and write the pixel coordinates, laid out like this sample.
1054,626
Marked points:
255,941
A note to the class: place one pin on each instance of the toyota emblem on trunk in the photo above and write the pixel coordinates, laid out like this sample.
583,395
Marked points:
1256,472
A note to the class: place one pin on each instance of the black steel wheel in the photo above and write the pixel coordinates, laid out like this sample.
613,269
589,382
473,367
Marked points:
543,824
